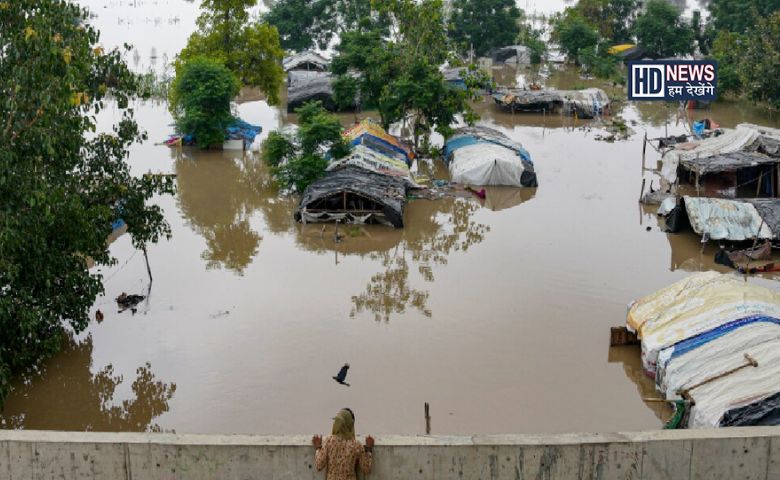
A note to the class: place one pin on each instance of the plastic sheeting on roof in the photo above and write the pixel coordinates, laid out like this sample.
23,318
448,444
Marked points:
371,134
732,140
306,86
516,54
306,60
586,103
693,305
727,162
723,219
689,361
375,161
354,195
483,156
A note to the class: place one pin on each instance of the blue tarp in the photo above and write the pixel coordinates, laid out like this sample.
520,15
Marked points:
692,343
381,146
244,130
461,141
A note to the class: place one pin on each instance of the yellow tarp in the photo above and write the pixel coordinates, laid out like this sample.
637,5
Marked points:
620,48
368,126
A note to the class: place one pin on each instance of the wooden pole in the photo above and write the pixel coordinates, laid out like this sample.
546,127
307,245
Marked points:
753,249
749,362
758,183
644,150
148,269
427,419
642,192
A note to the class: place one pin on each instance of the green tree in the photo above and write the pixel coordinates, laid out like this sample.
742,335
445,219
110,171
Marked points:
300,159
484,24
728,49
305,24
61,184
662,31
203,91
532,38
740,15
251,50
612,18
573,33
760,62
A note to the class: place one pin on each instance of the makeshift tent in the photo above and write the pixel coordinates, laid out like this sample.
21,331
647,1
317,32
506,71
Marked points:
238,135
483,156
721,219
354,195
745,137
372,135
303,87
587,103
513,54
307,61
692,306
375,161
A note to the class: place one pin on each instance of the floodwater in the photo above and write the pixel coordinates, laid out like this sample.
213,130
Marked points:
496,313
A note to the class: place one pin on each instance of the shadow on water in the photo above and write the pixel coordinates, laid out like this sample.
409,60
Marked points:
66,395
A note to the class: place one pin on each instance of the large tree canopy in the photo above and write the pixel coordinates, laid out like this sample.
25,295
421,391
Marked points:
740,15
574,34
305,24
251,50
662,31
61,184
613,18
484,24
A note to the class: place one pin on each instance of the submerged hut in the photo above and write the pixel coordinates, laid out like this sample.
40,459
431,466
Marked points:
307,86
354,195
730,220
712,344
513,54
306,61
587,103
737,162
483,156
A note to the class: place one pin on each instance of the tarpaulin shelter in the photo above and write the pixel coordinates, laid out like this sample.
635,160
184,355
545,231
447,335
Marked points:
354,195
713,341
307,61
483,156
372,160
722,219
513,54
745,138
309,86
586,103
694,305
372,135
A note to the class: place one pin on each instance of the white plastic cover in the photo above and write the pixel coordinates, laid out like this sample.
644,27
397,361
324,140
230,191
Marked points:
723,219
693,305
486,164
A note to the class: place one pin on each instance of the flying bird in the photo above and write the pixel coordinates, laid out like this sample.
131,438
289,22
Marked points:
342,375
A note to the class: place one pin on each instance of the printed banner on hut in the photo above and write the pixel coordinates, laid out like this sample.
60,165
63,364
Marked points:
673,80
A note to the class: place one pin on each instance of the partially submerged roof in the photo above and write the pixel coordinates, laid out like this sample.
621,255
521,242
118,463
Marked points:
306,60
375,161
306,86
702,326
519,54
371,134
727,162
354,195
483,156
733,220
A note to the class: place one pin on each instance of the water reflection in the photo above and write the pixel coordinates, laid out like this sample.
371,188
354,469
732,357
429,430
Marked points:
218,202
630,358
66,395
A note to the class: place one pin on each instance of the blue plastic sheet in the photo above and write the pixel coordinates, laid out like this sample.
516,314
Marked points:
461,141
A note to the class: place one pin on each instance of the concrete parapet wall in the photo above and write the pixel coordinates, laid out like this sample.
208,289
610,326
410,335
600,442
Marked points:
733,453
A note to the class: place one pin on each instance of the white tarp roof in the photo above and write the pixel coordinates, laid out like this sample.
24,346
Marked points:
486,164
724,219
693,305
294,61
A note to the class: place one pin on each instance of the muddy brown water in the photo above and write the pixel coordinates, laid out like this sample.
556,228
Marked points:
496,313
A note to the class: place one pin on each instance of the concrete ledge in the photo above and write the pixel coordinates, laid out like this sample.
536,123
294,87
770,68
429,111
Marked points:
731,453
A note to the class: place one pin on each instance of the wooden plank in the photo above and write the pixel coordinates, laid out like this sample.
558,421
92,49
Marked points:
619,336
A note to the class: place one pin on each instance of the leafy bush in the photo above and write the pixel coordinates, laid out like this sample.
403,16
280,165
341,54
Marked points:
203,91
300,159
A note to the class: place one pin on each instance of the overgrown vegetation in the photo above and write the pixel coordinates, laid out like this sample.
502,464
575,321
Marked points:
484,25
61,185
248,48
202,91
299,159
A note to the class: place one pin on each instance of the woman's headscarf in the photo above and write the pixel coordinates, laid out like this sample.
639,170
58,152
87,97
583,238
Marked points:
344,425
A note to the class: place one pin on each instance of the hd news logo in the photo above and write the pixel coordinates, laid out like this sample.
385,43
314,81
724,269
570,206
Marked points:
672,80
